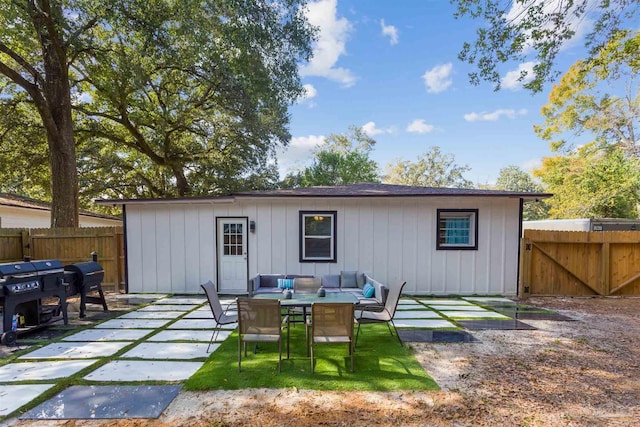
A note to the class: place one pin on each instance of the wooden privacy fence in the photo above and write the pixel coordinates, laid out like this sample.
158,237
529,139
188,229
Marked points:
580,263
69,245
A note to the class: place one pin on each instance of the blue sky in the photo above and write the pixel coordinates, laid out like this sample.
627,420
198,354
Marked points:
392,68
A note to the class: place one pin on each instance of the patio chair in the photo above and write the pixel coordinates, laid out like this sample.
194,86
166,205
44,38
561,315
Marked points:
384,316
219,314
260,320
330,323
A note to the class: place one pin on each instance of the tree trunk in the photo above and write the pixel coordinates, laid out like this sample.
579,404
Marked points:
57,118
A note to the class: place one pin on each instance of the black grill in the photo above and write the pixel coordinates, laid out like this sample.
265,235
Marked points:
23,286
83,278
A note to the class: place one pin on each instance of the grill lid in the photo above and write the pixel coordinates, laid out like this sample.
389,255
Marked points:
49,266
85,268
17,269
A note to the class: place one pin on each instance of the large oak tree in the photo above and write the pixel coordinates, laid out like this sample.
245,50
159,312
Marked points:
160,98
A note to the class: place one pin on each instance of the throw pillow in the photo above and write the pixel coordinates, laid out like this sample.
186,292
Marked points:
368,291
285,283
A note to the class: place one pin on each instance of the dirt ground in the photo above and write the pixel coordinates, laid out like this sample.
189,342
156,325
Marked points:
579,373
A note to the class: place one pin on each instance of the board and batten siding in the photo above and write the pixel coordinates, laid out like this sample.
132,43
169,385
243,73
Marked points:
171,247
19,217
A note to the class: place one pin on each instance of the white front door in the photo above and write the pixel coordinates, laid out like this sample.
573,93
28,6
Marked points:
232,255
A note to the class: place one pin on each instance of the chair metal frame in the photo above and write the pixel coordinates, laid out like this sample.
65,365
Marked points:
219,314
260,320
384,316
331,323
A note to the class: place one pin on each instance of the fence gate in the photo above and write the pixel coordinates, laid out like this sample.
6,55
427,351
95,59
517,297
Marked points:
580,263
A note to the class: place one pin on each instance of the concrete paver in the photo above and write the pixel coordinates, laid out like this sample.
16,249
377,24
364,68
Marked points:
14,396
168,350
144,370
108,335
76,350
42,370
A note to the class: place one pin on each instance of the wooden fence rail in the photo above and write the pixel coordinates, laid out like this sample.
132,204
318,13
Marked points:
69,245
580,263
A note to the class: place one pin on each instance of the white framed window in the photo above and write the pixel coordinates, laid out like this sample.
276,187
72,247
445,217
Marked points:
457,229
318,236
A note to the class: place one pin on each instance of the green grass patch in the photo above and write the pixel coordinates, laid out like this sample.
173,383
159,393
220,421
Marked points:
381,364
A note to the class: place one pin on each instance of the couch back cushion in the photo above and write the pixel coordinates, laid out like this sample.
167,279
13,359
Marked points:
331,281
269,280
348,279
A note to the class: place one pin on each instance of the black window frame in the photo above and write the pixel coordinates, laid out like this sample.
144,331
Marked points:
472,233
334,237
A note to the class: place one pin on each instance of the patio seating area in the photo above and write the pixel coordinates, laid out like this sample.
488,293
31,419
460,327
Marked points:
164,341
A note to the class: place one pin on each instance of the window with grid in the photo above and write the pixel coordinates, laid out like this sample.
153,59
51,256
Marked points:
457,229
318,236
232,239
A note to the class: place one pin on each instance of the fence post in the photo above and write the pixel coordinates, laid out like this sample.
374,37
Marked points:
525,268
26,243
605,278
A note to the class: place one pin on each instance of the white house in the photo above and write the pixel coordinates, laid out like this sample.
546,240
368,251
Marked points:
439,240
24,212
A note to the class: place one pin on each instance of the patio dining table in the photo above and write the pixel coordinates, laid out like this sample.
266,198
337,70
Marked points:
305,299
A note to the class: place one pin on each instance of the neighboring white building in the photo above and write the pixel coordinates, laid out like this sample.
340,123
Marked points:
584,224
439,240
23,212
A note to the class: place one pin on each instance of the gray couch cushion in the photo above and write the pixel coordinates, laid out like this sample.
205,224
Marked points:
268,280
331,281
348,279
360,279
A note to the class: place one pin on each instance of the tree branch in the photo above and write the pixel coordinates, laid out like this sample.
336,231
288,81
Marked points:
22,62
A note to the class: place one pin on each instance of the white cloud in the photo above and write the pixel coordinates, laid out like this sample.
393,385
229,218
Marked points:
310,92
495,115
299,150
419,126
332,38
510,80
370,129
389,31
438,79
531,164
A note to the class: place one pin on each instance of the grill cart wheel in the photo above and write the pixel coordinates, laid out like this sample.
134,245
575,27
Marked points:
9,338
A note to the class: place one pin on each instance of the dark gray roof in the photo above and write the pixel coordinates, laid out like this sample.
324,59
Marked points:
352,190
369,189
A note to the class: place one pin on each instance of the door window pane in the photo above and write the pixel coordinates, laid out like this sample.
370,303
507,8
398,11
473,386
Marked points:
232,239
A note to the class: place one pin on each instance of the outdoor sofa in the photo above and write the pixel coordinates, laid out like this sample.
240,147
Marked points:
347,281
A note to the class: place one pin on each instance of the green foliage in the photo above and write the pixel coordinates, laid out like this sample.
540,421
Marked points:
510,30
342,159
432,169
381,364
592,183
170,98
513,178
583,101
23,151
